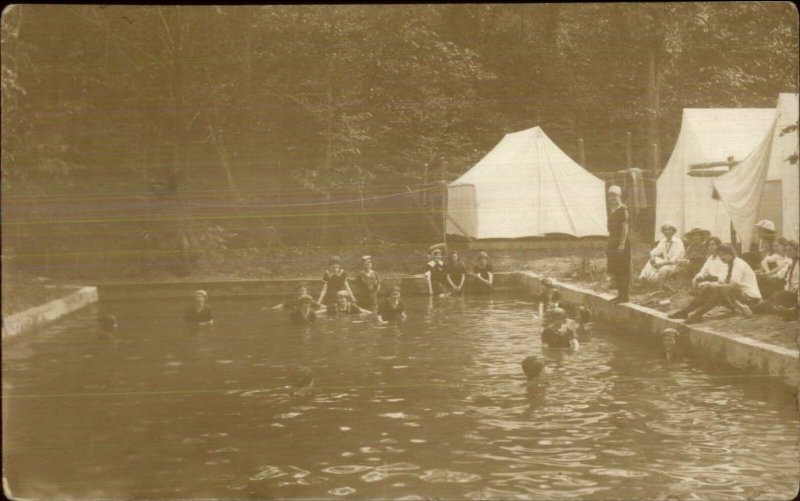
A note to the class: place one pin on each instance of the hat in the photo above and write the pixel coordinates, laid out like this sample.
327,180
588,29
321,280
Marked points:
615,189
201,292
365,258
439,247
766,224
306,299
482,255
668,224
547,282
342,294
698,232
558,313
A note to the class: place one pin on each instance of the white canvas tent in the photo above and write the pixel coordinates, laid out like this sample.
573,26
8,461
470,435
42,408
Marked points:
707,135
765,184
526,186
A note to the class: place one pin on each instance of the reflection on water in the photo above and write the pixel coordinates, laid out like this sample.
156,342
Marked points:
433,408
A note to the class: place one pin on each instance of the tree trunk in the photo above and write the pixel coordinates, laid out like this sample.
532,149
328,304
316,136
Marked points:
654,74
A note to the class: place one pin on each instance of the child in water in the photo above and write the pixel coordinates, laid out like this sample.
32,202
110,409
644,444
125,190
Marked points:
484,279
535,374
585,324
434,271
368,284
294,303
391,308
455,273
335,280
304,314
108,324
199,313
558,334
549,300
343,307
669,340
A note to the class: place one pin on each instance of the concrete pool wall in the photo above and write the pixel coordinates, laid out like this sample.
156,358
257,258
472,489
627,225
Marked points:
740,352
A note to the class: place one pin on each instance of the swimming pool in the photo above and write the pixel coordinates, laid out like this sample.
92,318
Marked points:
433,409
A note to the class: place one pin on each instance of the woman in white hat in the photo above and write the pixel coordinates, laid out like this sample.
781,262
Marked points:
199,313
766,237
434,270
665,257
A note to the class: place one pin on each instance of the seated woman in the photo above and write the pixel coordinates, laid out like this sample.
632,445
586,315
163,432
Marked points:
434,271
482,273
770,274
199,313
785,302
696,249
305,313
558,334
766,237
665,257
713,269
391,308
343,307
739,291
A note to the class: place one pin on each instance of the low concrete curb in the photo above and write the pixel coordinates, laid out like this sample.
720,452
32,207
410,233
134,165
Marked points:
737,351
40,315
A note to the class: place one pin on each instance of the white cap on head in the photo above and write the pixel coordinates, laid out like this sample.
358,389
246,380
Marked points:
202,293
766,224
668,224
615,189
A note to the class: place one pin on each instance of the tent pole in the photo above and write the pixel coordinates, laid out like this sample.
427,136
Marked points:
444,210
655,158
581,153
628,152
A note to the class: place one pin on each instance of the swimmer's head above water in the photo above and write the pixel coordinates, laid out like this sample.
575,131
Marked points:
532,367
669,340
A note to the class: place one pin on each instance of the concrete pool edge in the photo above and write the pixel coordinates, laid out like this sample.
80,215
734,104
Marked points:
37,316
738,351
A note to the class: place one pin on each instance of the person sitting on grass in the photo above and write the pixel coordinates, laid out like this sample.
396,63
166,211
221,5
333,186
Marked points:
305,313
738,292
785,302
484,279
534,370
368,284
335,280
773,268
559,334
714,269
199,313
294,303
434,271
344,307
664,258
766,237
455,274
696,254
391,308
548,300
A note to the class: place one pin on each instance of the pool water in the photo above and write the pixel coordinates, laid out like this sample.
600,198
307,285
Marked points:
435,408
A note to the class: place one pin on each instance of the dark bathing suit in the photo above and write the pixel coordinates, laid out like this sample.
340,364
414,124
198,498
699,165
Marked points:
197,317
389,314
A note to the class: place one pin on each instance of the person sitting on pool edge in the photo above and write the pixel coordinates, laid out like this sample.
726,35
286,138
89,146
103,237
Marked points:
785,302
344,307
199,313
559,334
483,277
434,271
294,303
664,258
335,280
304,314
739,291
391,308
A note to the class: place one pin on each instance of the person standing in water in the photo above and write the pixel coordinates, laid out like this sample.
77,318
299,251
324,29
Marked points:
455,273
559,334
434,271
484,279
304,314
368,285
199,313
294,303
619,245
343,307
391,308
335,280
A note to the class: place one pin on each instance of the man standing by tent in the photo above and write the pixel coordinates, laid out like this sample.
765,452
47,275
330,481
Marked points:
619,245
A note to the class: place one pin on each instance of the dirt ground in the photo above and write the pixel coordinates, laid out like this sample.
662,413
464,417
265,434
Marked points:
580,261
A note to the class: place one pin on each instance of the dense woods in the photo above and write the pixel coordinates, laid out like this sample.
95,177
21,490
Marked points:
157,132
